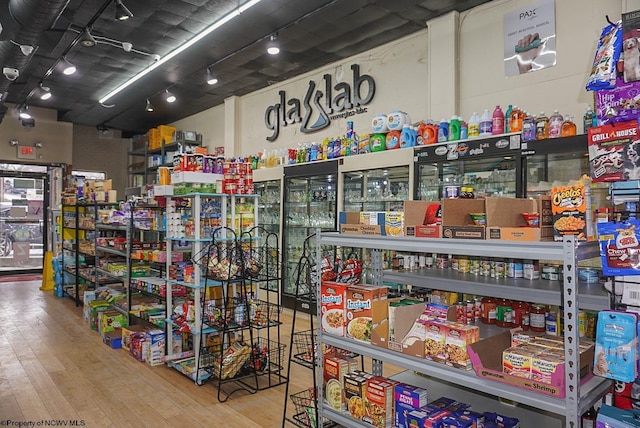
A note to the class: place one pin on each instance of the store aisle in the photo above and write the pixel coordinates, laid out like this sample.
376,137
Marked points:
52,366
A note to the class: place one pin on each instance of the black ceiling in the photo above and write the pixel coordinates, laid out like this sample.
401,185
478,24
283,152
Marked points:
311,33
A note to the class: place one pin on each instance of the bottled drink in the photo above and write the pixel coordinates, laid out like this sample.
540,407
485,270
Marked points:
555,124
589,418
516,118
497,121
486,123
569,127
528,128
589,119
473,129
507,119
542,126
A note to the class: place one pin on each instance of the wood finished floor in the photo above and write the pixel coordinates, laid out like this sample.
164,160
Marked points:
52,366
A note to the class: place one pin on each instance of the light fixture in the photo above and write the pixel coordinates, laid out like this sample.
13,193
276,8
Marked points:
45,92
67,68
126,46
149,106
272,46
86,39
13,143
122,13
23,112
169,97
160,61
25,49
211,80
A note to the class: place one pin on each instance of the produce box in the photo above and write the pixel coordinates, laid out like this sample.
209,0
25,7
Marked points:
486,358
456,222
504,220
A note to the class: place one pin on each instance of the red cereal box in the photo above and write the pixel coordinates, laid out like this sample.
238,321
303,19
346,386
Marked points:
332,303
379,402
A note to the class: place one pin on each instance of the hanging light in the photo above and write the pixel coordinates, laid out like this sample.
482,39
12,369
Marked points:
86,39
45,92
169,97
23,112
122,13
67,68
272,46
211,80
149,106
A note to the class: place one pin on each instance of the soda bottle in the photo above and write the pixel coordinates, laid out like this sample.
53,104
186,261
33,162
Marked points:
473,128
569,127
497,121
542,126
555,124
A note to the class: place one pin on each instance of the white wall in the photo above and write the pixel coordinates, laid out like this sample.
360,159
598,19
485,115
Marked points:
209,123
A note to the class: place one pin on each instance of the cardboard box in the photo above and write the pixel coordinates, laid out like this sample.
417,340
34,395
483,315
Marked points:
456,222
359,305
113,339
505,222
350,224
126,334
379,398
486,357
407,399
155,340
111,320
334,370
333,298
405,317
355,387
416,221
569,206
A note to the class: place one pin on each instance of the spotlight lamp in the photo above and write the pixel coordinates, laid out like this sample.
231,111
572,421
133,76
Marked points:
169,97
23,112
67,68
211,79
86,39
45,92
122,13
272,46
149,107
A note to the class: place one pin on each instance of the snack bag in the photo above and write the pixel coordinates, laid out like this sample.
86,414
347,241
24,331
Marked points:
603,73
620,247
616,342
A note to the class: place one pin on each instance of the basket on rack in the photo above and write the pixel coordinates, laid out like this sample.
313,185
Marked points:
232,361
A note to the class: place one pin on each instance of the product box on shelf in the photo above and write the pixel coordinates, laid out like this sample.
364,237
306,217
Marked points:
407,399
569,206
111,320
359,314
333,296
113,339
355,387
155,340
456,222
421,218
126,334
404,319
350,224
95,307
486,357
379,401
334,370
505,221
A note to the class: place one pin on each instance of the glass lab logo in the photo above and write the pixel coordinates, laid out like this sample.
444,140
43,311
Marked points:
312,112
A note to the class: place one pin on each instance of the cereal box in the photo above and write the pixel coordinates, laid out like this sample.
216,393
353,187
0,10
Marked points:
456,341
407,399
477,419
355,387
332,303
517,361
416,418
379,402
436,336
359,302
441,403
568,207
434,420
543,366
334,369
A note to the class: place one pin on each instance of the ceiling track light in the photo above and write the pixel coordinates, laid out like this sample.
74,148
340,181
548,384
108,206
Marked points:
25,49
86,39
272,46
23,112
67,68
122,13
45,92
169,97
149,107
211,79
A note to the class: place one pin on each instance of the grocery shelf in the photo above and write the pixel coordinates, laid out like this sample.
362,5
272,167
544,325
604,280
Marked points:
591,296
111,251
468,378
118,227
111,274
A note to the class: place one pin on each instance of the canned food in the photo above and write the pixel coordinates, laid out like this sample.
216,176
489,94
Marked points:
498,269
582,323
442,262
514,269
489,306
548,276
478,309
588,275
452,192
485,268
454,262
470,311
551,269
461,312
591,324
551,324
521,315
463,264
474,266
504,313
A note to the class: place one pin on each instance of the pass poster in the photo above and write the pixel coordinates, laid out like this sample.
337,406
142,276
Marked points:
530,38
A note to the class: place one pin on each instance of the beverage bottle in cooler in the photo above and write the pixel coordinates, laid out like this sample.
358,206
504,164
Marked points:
589,119
515,119
528,128
555,124
569,127
497,121
473,129
507,119
542,126
454,128
486,123
443,131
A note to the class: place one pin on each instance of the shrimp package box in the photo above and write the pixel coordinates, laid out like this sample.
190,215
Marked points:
333,297
616,346
359,310
568,208
620,247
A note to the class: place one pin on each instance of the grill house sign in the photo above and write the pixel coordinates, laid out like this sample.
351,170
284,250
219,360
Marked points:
342,100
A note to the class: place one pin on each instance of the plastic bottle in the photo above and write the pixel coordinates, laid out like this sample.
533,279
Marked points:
589,119
378,142
497,121
430,134
486,123
515,120
473,129
555,124
542,126
569,127
393,140
454,128
443,131
407,138
464,130
528,128
507,119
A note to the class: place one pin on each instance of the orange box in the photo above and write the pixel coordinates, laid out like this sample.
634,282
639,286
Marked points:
457,338
379,402
359,310
332,301
569,207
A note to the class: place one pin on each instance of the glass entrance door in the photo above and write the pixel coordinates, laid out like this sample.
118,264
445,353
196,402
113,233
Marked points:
23,203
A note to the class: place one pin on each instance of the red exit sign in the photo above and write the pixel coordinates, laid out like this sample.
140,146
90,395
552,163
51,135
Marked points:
26,152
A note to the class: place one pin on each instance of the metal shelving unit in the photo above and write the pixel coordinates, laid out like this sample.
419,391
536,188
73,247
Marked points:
578,398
